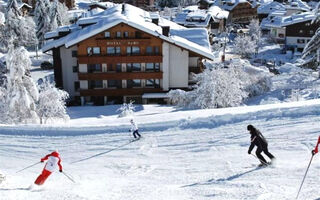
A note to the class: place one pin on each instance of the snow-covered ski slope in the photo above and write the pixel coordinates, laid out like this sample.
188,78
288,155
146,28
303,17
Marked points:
185,154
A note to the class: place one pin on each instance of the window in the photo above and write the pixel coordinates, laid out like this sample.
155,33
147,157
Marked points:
114,84
135,50
118,34
149,50
110,68
75,69
301,31
153,67
118,50
94,68
156,50
128,50
74,53
76,85
136,67
300,41
126,34
311,32
133,83
308,24
111,50
129,67
138,34
153,83
107,34
118,67
96,50
89,51
157,67
93,84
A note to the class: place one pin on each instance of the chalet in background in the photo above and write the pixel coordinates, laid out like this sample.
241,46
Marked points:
143,4
123,54
69,3
295,30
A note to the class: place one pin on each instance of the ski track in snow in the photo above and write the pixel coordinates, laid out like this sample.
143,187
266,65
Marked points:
183,158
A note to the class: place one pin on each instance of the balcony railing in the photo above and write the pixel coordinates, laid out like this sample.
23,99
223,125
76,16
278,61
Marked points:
120,75
94,59
118,92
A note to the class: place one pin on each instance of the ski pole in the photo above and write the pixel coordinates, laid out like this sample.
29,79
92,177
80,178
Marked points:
28,167
259,159
68,177
304,177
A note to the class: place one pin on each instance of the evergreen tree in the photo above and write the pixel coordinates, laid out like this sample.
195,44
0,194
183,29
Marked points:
21,92
311,52
219,87
42,19
244,46
49,16
51,104
18,30
255,33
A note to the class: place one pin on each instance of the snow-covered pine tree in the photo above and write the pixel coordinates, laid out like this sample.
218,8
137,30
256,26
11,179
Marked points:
311,52
244,46
49,16
42,19
3,107
219,87
126,109
255,33
18,30
59,13
21,90
51,104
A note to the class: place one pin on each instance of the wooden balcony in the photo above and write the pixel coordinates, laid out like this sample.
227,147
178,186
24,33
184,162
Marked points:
120,75
118,92
96,59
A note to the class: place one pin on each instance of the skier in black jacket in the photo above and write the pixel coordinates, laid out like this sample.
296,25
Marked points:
258,140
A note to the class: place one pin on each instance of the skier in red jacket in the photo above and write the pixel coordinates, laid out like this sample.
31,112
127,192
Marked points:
53,160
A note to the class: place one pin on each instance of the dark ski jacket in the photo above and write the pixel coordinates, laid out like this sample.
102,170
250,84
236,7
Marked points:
257,139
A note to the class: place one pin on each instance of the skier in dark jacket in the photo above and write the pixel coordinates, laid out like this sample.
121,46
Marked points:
258,140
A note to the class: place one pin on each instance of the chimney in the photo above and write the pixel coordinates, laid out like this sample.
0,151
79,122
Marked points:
123,9
155,21
165,30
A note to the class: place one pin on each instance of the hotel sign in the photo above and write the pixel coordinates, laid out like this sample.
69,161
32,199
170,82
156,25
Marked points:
113,43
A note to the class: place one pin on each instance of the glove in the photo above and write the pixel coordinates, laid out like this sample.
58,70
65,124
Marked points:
60,170
313,152
249,152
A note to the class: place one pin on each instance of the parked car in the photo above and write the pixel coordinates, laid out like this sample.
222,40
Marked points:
46,65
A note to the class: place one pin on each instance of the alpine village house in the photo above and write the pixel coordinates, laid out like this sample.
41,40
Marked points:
122,54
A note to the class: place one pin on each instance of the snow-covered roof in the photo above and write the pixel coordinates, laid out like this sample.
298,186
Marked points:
218,12
271,7
20,5
136,18
282,21
298,5
200,18
231,4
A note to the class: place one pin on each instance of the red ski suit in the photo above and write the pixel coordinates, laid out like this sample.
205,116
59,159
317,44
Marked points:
53,160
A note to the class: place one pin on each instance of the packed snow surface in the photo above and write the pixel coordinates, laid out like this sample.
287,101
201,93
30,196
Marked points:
184,154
